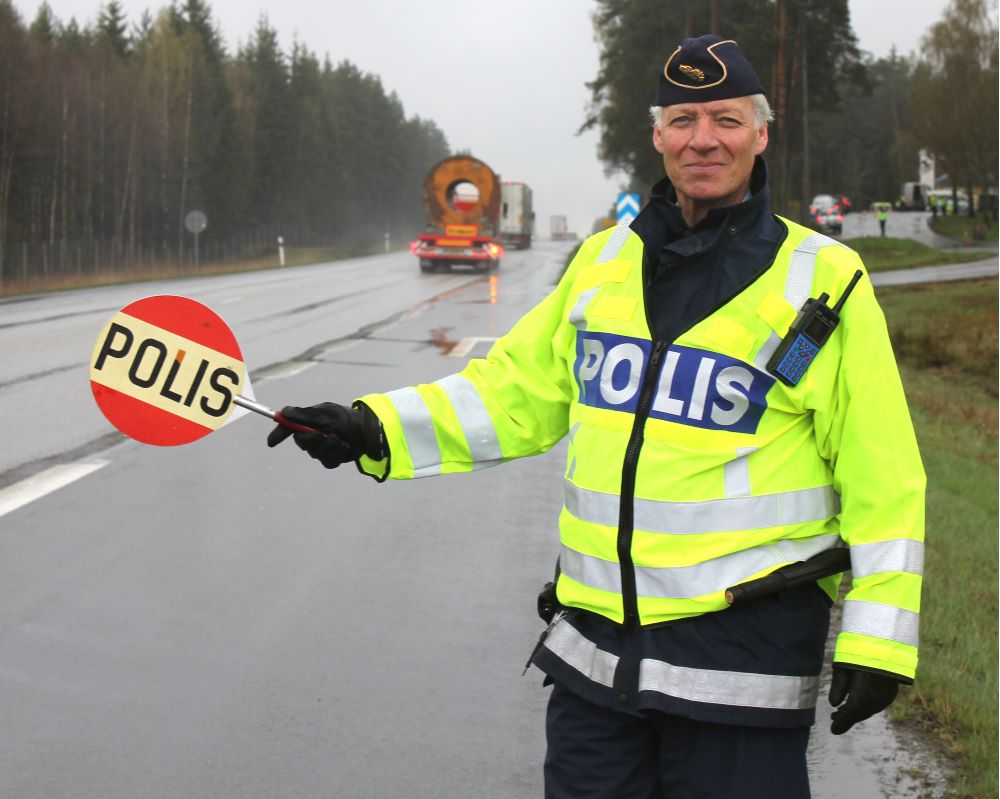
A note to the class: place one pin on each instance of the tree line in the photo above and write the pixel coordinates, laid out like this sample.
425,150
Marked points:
115,131
845,122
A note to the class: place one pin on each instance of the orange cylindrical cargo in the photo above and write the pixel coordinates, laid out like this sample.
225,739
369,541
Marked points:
442,205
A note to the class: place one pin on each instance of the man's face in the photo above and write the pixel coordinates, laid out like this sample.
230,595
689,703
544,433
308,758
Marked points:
708,150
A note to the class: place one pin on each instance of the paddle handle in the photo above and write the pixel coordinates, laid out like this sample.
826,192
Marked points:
263,410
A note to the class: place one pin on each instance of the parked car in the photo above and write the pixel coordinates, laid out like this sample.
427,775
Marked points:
840,203
822,203
827,213
830,222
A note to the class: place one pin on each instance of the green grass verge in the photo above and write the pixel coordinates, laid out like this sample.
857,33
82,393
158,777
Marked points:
881,254
945,337
975,230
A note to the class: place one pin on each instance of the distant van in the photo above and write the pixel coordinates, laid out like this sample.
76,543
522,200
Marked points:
913,197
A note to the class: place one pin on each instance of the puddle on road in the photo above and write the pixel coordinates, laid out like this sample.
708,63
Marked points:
873,760
439,338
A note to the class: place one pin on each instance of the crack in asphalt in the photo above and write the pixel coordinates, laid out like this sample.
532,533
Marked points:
55,317
39,375
314,305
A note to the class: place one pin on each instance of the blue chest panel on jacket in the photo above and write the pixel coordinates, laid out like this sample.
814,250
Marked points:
695,387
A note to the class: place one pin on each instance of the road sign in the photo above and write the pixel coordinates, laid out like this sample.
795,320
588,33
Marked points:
195,222
165,370
627,208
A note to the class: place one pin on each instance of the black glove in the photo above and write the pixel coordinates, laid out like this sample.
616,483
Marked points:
345,434
866,692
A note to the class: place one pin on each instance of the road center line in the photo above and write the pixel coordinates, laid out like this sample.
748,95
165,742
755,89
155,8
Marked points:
45,482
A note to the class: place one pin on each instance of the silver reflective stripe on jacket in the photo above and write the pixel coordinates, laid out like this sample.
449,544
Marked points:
736,473
418,429
734,688
614,244
571,469
700,579
881,621
609,252
707,516
576,315
738,689
481,435
797,286
897,555
582,654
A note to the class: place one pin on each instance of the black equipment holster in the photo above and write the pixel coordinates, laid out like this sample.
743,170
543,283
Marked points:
548,605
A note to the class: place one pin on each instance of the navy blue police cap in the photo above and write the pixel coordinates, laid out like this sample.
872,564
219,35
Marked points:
706,68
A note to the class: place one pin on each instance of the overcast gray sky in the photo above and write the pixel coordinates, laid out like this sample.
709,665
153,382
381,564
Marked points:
504,80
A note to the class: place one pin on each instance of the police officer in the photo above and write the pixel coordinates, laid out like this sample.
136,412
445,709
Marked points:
691,467
882,215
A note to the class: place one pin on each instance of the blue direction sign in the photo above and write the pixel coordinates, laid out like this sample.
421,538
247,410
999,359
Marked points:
627,208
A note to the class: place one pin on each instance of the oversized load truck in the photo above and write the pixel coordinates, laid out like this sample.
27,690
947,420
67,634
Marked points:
461,198
517,219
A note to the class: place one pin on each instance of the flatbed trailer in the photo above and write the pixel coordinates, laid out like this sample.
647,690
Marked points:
457,246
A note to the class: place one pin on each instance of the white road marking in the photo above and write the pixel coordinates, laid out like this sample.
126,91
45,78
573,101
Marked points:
464,347
52,479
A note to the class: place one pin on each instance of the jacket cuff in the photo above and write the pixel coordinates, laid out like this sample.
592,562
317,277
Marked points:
879,654
880,672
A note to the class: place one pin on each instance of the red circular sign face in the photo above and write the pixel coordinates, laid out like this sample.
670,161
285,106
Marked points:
165,370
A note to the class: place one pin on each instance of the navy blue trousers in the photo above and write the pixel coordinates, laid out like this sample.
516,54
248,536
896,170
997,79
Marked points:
598,753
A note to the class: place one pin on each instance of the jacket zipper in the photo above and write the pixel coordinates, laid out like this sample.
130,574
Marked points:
626,512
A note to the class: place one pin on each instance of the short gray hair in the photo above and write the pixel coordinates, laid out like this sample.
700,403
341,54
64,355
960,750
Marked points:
762,112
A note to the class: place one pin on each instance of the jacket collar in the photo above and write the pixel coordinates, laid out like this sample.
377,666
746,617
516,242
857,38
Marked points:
734,218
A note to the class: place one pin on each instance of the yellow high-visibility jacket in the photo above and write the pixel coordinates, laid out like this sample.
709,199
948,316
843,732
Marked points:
690,467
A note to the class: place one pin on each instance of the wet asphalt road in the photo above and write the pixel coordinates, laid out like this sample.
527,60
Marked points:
221,620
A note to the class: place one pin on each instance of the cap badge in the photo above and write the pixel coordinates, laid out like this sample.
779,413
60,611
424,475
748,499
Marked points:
694,72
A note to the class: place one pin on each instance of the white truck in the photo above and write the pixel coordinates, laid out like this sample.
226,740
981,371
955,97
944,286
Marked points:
558,229
517,219
913,197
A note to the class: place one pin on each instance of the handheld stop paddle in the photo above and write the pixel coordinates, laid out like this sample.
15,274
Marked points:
167,370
